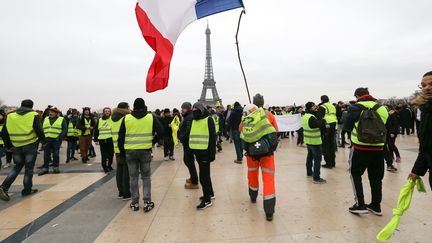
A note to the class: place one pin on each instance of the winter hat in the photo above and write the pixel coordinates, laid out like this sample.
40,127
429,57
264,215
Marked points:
186,105
236,104
175,110
139,104
55,109
27,103
166,110
361,91
123,105
258,100
250,109
309,105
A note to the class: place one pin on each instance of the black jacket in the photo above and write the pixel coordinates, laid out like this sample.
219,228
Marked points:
166,122
81,124
393,124
234,118
185,127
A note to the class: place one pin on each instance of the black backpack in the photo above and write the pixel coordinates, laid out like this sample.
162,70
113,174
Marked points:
371,128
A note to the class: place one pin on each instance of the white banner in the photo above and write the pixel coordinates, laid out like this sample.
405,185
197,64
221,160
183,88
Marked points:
289,123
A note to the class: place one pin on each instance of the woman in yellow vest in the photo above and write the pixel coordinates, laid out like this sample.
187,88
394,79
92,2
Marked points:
103,137
202,142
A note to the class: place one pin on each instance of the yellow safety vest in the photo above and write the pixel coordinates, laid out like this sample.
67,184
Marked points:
139,132
216,122
199,135
330,112
312,136
87,125
115,128
54,130
382,111
104,127
72,131
1,140
256,126
20,128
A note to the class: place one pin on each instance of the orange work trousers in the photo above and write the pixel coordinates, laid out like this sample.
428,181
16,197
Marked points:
268,176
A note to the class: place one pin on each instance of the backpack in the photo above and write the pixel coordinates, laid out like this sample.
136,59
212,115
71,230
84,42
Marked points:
371,129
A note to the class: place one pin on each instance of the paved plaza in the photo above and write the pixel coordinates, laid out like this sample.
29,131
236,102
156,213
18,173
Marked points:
81,204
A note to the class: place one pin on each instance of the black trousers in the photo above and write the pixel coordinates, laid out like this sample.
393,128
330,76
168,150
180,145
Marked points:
189,161
122,176
328,146
373,162
300,136
205,180
168,146
107,152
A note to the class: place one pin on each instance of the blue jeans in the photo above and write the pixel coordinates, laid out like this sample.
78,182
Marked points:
313,158
237,143
23,157
52,147
71,146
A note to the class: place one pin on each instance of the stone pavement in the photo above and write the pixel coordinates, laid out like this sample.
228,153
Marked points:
81,205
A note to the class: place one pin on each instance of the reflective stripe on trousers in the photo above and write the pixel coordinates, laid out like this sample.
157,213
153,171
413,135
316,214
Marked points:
268,174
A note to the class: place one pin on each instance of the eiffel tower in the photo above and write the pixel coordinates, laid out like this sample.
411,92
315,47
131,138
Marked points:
209,82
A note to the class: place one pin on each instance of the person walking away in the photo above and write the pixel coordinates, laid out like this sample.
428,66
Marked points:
55,129
327,111
202,142
167,138
342,126
20,134
72,135
103,137
300,132
218,127
136,135
423,102
233,123
312,135
122,172
390,149
188,156
405,115
2,121
86,126
367,119
259,133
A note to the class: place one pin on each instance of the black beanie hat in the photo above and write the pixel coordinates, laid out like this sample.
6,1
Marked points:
123,105
186,105
309,105
139,104
27,104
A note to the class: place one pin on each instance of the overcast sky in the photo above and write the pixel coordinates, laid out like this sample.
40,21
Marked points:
91,53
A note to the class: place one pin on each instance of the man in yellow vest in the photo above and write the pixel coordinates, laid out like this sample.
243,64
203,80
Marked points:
312,137
368,137
136,135
55,129
21,134
202,142
122,172
72,135
86,125
2,121
327,111
103,137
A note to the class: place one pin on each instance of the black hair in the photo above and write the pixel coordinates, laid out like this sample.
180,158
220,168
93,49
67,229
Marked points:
427,74
325,99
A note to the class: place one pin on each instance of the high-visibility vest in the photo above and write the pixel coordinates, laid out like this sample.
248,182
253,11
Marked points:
72,131
20,128
54,130
139,132
104,127
216,122
382,111
330,112
1,140
312,136
255,126
87,125
199,135
284,113
115,128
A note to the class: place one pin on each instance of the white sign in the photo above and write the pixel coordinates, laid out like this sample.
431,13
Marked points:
288,123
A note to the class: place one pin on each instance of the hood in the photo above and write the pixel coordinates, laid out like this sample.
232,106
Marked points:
238,109
23,110
118,113
366,98
139,113
204,112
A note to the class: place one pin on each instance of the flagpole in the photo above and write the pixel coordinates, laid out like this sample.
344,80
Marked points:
238,53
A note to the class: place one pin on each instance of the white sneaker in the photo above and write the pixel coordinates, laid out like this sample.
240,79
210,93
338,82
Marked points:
166,158
7,165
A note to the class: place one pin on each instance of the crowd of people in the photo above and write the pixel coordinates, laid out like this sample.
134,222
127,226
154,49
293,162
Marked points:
129,135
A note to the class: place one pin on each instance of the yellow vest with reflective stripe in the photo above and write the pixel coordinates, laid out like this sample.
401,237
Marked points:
199,135
330,112
382,111
1,140
72,131
20,128
139,132
115,128
312,136
256,126
216,122
104,127
54,130
87,125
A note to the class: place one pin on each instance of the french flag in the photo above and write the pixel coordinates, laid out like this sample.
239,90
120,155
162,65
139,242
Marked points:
162,21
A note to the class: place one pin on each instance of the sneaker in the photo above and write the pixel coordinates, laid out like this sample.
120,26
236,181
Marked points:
203,205
238,161
4,195
319,181
171,158
374,210
358,209
7,165
134,206
120,196
191,186
126,198
32,191
391,168
211,198
166,158
269,217
148,206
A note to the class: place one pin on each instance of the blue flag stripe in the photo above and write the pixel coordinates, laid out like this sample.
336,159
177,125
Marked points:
205,8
